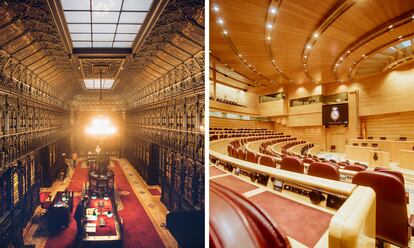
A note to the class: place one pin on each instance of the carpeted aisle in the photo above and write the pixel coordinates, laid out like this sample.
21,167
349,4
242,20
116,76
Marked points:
138,228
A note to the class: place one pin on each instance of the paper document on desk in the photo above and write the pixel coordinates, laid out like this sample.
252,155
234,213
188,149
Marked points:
91,227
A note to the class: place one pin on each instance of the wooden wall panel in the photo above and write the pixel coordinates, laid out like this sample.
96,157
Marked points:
273,108
223,107
391,125
233,123
312,134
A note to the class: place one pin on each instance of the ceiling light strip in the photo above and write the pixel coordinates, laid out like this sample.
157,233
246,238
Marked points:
384,28
374,51
274,7
333,14
225,33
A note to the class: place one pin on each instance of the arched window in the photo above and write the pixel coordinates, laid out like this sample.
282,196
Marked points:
16,196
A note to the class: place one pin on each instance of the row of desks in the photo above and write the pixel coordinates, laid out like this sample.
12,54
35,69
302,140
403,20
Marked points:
393,147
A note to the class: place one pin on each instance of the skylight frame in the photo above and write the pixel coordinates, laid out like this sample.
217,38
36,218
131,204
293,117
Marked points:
94,83
120,23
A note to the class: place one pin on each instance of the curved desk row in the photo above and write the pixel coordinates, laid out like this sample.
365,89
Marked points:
348,224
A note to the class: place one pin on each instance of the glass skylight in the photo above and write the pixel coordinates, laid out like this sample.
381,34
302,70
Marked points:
104,23
94,83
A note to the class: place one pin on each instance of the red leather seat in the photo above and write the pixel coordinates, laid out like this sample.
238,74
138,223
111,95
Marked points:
308,160
392,223
267,160
354,167
292,164
251,157
324,170
236,222
397,174
241,154
230,149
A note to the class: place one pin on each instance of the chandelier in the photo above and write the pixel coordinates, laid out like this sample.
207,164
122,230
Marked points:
101,126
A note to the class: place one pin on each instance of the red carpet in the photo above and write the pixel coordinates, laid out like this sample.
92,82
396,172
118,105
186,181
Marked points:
154,192
232,182
301,222
44,195
215,171
138,228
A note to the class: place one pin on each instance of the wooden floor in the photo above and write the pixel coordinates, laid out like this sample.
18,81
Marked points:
36,233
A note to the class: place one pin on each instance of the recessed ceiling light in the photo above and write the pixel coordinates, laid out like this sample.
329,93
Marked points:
315,35
399,37
244,60
268,38
215,8
226,64
269,26
250,65
273,60
225,32
412,17
390,26
308,46
336,64
273,10
363,55
305,56
220,21
341,58
240,55
348,51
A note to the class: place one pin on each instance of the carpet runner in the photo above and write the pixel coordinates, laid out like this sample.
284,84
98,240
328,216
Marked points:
138,230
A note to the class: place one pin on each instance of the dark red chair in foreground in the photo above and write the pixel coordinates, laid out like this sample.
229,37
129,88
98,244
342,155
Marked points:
292,164
397,174
324,170
267,161
251,157
392,223
236,222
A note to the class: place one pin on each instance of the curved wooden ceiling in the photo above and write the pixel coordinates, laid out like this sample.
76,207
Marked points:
34,33
295,41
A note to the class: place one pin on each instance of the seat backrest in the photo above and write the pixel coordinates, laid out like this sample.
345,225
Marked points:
241,154
391,208
324,170
251,156
354,167
292,164
232,215
267,160
230,149
393,172
308,160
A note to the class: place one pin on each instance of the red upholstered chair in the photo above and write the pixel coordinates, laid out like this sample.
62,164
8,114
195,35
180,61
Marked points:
392,224
292,164
267,161
324,170
251,156
354,167
397,174
241,154
230,149
308,160
236,222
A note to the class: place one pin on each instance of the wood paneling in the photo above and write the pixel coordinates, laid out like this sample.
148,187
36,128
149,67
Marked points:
233,123
273,108
311,134
392,126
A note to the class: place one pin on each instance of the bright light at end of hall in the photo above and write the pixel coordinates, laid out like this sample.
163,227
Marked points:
101,126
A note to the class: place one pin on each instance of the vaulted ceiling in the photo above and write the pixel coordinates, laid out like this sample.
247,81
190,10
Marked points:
294,42
36,34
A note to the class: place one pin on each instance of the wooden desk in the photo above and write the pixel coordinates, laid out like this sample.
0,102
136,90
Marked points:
108,235
359,153
379,158
407,159
60,209
391,146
